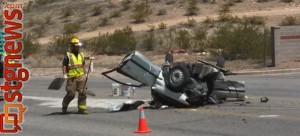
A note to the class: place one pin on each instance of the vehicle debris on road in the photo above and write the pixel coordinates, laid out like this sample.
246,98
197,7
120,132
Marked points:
182,84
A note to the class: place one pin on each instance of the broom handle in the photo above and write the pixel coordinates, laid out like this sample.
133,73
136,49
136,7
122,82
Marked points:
87,74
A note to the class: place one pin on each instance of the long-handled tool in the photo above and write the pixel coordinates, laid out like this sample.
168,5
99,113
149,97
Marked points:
87,76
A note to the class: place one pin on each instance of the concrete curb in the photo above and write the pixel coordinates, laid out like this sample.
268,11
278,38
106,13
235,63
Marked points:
266,72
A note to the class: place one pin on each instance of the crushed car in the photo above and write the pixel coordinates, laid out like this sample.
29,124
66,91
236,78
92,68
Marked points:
182,84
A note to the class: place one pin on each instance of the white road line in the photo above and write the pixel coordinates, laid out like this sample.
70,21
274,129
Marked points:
93,103
268,116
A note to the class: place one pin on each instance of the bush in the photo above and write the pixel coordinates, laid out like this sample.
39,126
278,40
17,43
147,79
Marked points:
97,10
98,44
110,4
115,13
162,26
170,2
208,20
59,44
104,22
254,20
121,41
141,10
289,21
70,28
260,1
40,28
44,2
192,8
93,25
199,38
161,12
149,42
67,11
166,40
48,19
31,46
287,1
183,39
224,9
151,28
190,22
240,41
30,23
126,4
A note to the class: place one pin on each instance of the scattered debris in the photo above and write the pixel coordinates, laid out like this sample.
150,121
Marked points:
193,109
264,99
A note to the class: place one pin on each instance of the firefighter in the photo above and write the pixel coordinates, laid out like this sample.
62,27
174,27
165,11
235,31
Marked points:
75,73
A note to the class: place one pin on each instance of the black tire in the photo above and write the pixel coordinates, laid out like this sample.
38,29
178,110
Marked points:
178,77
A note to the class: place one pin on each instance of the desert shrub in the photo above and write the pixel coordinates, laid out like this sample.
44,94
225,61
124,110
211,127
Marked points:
229,18
97,10
161,12
59,44
93,25
104,21
98,44
66,11
30,23
151,28
48,19
241,41
208,20
115,13
183,39
31,45
192,8
260,1
70,28
110,4
166,40
162,26
141,10
254,20
44,2
170,2
126,4
190,22
287,1
119,42
199,38
40,28
149,42
224,9
238,1
289,21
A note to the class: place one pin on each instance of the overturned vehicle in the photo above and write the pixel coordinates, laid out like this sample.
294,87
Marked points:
181,84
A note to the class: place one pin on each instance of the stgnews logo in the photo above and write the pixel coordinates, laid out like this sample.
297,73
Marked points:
14,73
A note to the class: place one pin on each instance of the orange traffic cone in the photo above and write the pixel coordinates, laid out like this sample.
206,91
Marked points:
142,123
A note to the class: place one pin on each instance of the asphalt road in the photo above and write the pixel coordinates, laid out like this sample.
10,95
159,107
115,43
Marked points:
280,116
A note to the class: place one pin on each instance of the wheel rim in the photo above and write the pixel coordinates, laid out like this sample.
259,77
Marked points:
176,77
